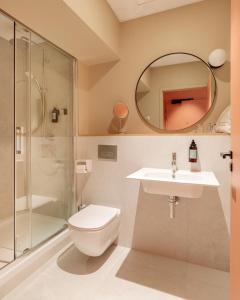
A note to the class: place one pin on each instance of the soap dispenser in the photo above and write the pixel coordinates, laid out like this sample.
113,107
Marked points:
193,152
55,115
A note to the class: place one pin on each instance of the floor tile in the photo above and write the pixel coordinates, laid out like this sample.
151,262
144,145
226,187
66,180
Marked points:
121,274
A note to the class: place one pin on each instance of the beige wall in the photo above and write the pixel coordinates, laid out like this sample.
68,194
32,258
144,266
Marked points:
197,28
100,18
90,42
83,96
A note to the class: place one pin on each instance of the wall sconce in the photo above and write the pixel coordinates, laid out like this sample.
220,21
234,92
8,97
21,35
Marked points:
217,58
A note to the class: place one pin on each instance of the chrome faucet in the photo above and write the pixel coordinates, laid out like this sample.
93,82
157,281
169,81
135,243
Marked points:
174,164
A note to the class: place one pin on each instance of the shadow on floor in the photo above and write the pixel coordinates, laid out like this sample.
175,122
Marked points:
142,269
173,277
74,262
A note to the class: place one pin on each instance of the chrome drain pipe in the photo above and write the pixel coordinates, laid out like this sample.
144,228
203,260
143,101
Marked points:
173,201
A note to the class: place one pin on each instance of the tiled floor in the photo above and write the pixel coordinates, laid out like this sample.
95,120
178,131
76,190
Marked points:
123,274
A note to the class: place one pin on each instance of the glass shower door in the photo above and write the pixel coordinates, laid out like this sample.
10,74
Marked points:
51,139
6,140
44,122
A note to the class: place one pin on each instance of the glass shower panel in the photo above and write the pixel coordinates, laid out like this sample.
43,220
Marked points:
6,140
51,139
22,120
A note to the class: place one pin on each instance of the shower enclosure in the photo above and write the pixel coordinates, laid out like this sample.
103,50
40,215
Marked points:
36,139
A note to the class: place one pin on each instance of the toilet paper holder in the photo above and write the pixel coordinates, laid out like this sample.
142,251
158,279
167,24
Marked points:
83,166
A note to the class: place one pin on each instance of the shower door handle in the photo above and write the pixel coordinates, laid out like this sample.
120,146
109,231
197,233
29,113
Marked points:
227,154
19,140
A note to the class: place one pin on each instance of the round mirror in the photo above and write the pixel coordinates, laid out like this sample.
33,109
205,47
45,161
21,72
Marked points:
175,91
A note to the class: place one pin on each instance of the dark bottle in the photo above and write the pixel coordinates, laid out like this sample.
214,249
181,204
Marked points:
55,115
193,152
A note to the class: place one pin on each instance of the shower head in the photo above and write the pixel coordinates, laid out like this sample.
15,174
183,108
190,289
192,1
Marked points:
23,39
28,74
31,76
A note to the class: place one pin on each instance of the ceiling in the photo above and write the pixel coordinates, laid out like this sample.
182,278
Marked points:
131,9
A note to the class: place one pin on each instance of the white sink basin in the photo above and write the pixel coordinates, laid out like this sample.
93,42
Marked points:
185,184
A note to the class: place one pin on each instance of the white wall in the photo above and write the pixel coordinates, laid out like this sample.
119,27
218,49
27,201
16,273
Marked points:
200,232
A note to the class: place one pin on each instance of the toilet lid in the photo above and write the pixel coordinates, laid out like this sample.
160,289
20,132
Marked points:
93,217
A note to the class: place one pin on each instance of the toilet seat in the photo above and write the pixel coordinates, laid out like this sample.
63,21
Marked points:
93,217
94,229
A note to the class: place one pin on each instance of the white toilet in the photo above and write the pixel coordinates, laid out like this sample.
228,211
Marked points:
94,229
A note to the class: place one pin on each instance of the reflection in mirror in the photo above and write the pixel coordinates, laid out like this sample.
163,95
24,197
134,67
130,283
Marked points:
175,91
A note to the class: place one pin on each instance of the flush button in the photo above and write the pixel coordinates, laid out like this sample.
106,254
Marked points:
107,152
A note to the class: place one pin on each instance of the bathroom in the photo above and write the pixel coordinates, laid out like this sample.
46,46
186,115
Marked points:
85,118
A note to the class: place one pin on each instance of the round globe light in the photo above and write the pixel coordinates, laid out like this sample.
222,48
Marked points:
217,58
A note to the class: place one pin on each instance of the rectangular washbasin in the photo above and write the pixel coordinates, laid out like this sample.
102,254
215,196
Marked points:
185,184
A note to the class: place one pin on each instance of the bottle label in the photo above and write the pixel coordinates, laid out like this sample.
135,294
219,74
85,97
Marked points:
193,154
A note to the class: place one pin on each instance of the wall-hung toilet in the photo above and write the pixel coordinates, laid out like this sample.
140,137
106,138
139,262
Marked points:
94,229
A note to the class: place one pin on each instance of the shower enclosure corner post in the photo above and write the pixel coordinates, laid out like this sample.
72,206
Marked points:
75,133
28,144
